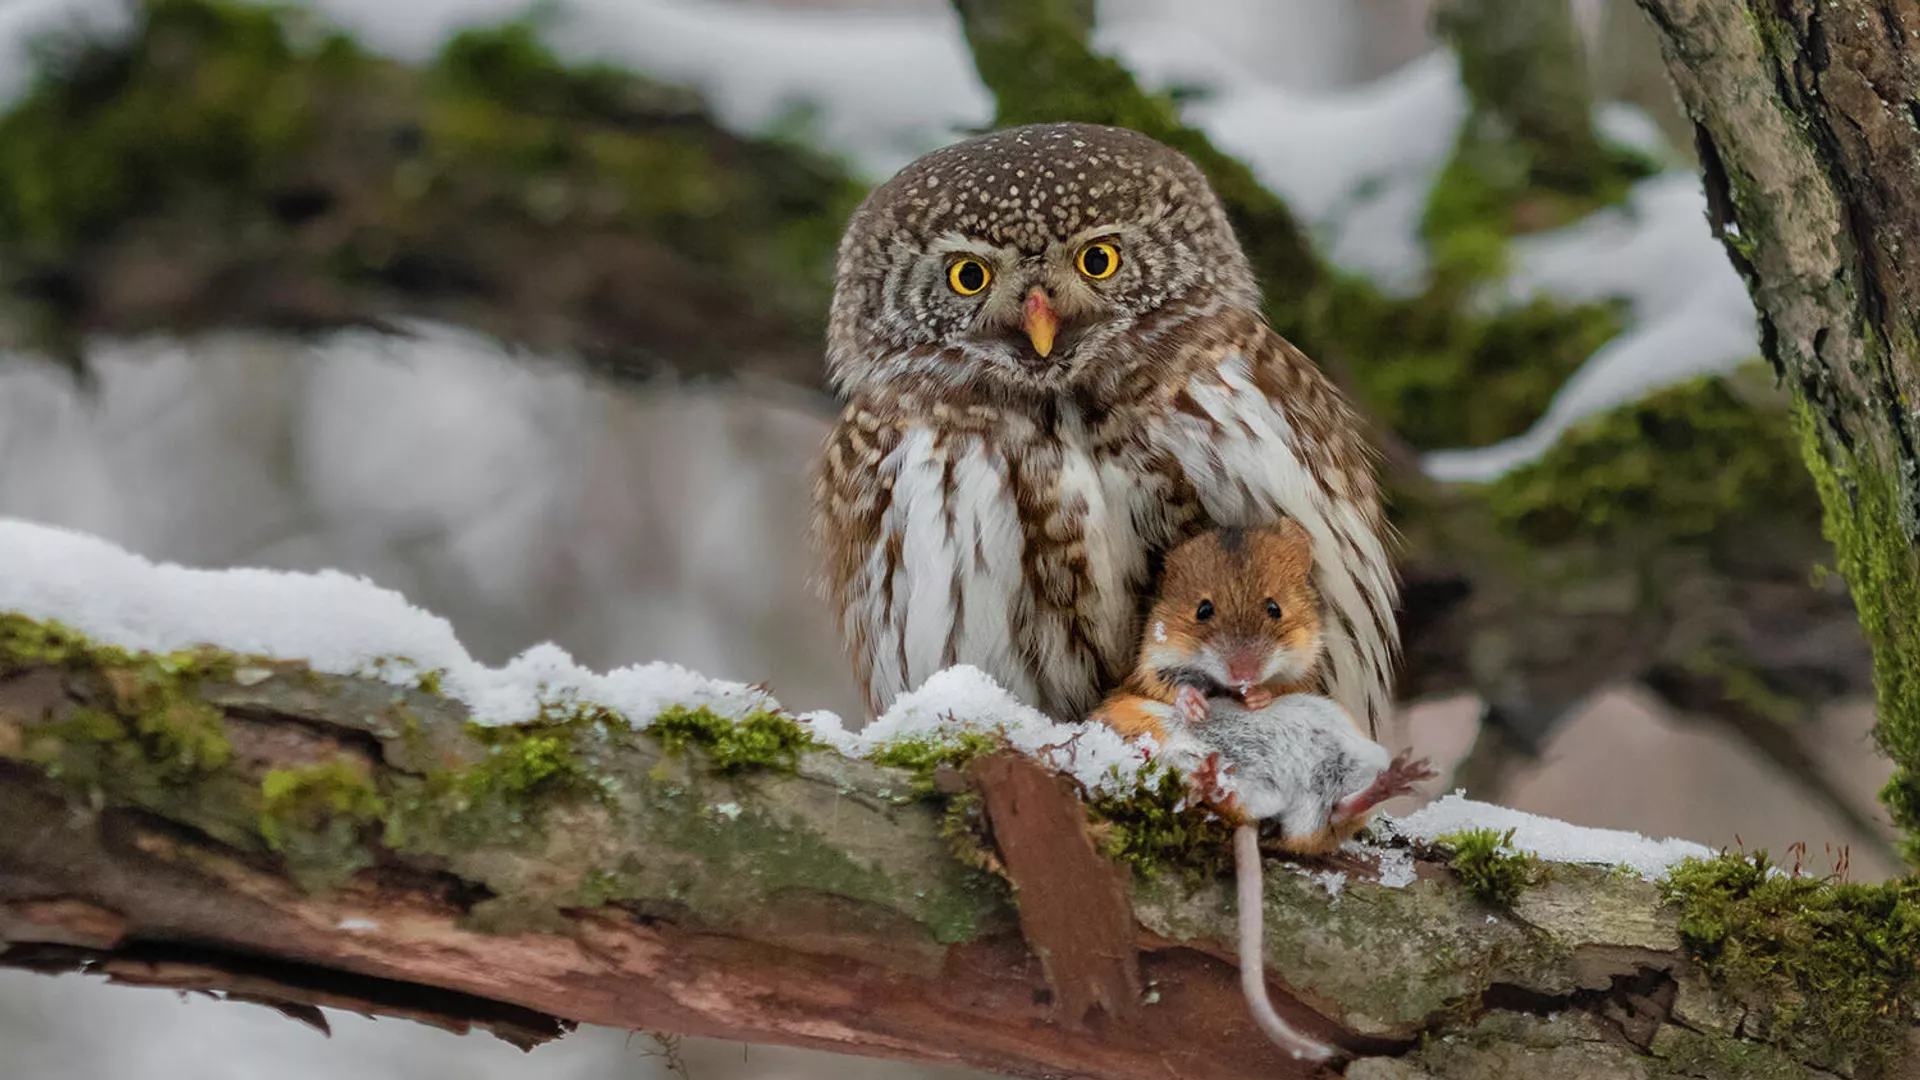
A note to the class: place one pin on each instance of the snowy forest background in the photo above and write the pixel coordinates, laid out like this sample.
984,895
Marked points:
529,496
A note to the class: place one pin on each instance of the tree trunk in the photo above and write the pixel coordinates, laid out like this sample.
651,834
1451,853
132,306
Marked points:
223,823
1806,124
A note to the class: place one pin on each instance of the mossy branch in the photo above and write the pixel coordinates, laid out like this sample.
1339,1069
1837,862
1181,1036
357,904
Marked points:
227,164
223,822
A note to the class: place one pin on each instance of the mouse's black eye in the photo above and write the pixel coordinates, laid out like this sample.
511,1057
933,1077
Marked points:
1205,611
1273,609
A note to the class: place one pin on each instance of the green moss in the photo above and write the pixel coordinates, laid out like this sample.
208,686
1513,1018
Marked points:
1710,1055
315,815
1492,189
759,740
1877,556
1490,867
524,771
925,754
1676,466
1830,968
212,98
1151,830
147,705
1744,685
1441,374
526,762
509,63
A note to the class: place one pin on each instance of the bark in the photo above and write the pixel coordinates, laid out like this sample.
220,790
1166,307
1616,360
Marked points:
1804,118
302,840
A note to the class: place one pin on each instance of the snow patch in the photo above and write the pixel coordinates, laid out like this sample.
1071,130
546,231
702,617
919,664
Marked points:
1355,165
1393,867
344,625
338,624
965,699
1331,880
1546,838
1689,312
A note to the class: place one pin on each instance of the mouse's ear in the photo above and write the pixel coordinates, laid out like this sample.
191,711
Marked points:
1294,535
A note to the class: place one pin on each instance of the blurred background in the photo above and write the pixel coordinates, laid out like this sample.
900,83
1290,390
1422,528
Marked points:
517,310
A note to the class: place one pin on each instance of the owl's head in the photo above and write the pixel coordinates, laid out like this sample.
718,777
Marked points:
1031,261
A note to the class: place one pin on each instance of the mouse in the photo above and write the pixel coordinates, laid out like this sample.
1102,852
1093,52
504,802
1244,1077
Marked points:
1226,683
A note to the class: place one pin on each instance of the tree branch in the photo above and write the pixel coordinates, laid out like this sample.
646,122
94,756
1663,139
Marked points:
210,822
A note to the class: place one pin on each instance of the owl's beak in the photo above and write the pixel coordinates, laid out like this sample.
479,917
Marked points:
1042,322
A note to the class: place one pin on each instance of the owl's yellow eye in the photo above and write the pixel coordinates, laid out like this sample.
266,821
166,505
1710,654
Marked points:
1099,261
968,276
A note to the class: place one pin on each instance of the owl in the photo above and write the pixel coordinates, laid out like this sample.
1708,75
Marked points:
1055,368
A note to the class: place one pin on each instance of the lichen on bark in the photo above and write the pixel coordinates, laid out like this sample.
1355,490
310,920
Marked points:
1808,145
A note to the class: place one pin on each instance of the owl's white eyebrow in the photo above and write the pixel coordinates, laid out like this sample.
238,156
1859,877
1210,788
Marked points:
1091,233
956,244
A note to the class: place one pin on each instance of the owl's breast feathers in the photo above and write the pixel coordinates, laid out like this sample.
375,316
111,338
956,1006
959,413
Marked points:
1022,540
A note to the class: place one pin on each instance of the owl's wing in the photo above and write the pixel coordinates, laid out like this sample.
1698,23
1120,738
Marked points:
849,529
1261,433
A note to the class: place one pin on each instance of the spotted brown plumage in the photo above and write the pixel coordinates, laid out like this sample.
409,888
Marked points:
1014,461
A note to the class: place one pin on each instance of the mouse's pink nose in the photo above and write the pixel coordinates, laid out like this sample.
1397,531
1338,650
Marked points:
1244,664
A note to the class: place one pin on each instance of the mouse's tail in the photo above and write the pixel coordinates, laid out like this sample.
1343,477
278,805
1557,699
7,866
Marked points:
1253,979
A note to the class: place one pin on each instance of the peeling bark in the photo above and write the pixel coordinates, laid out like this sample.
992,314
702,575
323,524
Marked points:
820,908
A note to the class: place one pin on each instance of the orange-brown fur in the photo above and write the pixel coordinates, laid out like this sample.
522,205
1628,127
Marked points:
1238,578
1274,563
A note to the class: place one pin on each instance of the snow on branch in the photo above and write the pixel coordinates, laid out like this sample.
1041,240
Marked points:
303,817
339,624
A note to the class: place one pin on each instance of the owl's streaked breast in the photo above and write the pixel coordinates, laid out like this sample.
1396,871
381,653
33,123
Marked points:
1022,445
1019,546
1098,518
942,582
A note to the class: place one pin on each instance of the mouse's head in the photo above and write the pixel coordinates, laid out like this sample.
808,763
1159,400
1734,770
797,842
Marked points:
1237,610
